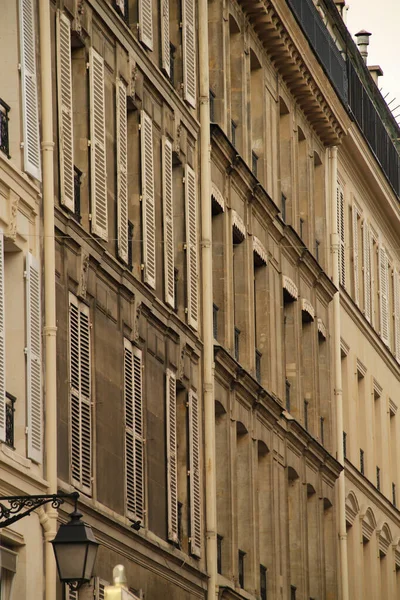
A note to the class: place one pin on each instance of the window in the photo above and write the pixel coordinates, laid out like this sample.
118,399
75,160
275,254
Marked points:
122,171
283,207
148,205
134,442
168,222
301,228
219,554
215,321
254,163
361,461
241,568
189,51
121,6
378,479
172,64
317,245
172,457
80,395
394,494
4,110
321,429
191,247
263,582
237,339
287,395
8,562
306,414
344,444
212,106
292,592
258,365
233,133
194,477
146,23
342,236
130,245
10,410
77,193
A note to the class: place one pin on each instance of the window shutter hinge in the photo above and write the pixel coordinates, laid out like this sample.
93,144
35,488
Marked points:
87,66
26,431
19,67
183,179
25,350
185,246
25,274
142,267
89,143
186,310
22,145
140,126
90,216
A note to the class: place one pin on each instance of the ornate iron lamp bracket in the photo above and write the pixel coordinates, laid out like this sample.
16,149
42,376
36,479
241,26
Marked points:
12,513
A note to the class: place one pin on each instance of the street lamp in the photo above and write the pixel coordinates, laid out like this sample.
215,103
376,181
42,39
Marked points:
75,546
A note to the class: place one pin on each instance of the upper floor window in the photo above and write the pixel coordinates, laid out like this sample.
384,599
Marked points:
212,106
122,7
254,163
4,110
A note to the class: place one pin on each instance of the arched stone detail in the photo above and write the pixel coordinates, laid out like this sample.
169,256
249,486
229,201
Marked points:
290,287
308,308
368,523
238,225
259,250
385,538
321,328
218,197
352,508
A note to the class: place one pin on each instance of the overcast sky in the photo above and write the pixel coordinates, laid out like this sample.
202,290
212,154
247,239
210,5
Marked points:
382,19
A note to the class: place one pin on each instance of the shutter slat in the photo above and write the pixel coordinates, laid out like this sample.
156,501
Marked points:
34,359
367,271
195,479
148,205
355,256
396,288
342,236
65,113
168,207
2,345
191,247
122,171
172,459
100,587
30,113
146,23
189,51
98,169
165,43
384,295
138,430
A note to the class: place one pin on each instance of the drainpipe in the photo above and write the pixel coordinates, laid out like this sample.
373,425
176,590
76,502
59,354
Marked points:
49,330
207,295
335,244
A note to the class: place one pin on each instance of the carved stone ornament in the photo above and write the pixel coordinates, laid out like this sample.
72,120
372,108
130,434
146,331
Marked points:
259,249
290,287
12,228
218,197
321,328
136,334
181,365
308,308
134,76
83,273
177,141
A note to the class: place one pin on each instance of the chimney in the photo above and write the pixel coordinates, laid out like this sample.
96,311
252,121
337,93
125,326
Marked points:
376,72
363,43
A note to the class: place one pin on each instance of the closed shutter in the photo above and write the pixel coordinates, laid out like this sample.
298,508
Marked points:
168,207
34,359
367,271
191,248
396,289
342,237
148,205
172,459
384,295
30,113
146,23
98,169
189,51
165,43
2,345
194,475
133,406
355,256
100,586
71,594
65,121
122,172
80,398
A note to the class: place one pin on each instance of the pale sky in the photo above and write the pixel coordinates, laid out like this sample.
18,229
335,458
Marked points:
382,19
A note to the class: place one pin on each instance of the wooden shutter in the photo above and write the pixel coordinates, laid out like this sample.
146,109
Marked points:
34,359
367,271
30,113
148,205
396,301
65,121
122,172
191,247
98,169
384,295
146,23
133,405
172,458
194,476
71,594
189,51
100,586
165,43
168,208
2,345
355,256
80,399
342,237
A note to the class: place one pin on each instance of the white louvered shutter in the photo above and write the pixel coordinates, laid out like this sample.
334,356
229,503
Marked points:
172,459
80,382
134,460
165,43
122,171
355,256
65,120
384,295
98,169
2,345
191,248
34,359
342,237
146,23
194,475
71,594
189,51
148,204
367,271
100,586
168,218
30,113
396,301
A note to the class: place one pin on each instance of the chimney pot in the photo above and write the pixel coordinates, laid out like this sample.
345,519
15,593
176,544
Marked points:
363,42
376,72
